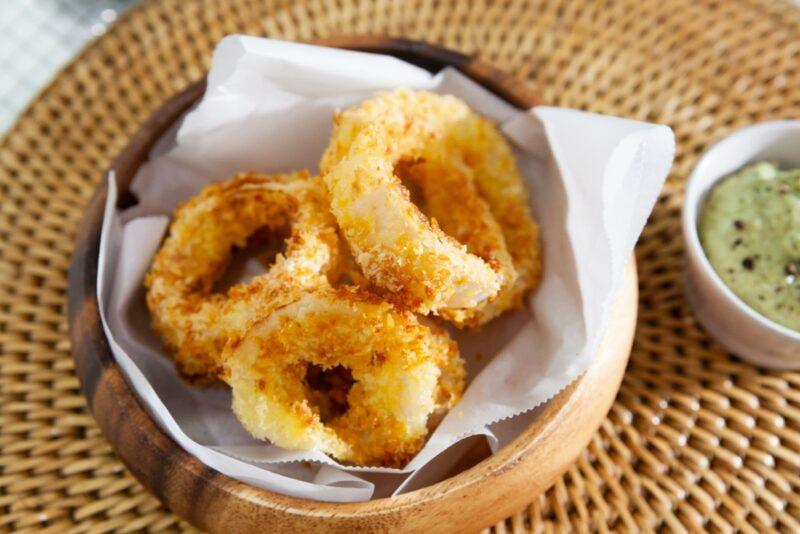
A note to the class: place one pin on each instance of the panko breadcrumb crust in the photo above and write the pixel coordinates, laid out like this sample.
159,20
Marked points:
194,322
403,373
417,264
406,255
356,224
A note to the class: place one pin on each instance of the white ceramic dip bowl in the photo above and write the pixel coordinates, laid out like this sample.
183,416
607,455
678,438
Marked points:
733,323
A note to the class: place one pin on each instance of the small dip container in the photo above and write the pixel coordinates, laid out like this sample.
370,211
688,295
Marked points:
733,323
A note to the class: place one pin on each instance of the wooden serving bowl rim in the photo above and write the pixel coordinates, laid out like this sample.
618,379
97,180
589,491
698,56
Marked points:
214,501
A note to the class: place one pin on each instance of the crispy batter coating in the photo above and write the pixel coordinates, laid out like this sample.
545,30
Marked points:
398,248
349,370
500,183
402,371
475,192
194,322
449,195
453,375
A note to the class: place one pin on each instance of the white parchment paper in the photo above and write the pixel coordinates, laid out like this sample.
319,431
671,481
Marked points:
268,106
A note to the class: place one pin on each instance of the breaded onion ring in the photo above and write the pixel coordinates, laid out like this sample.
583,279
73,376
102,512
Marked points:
449,195
395,361
194,322
488,154
495,186
397,247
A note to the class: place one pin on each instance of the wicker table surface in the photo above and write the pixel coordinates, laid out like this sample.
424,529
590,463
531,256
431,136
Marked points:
696,439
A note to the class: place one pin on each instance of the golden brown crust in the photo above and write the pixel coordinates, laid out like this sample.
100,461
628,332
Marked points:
451,198
387,378
473,192
501,184
402,372
478,148
397,247
194,322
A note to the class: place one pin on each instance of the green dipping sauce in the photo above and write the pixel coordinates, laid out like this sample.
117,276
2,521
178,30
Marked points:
750,230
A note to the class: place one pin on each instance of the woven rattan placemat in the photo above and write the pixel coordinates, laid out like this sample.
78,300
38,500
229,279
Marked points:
696,438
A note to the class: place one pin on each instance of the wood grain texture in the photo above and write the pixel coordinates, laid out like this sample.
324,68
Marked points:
493,489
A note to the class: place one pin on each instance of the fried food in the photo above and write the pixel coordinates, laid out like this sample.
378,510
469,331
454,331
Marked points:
193,321
449,195
420,208
396,246
402,372
492,216
500,183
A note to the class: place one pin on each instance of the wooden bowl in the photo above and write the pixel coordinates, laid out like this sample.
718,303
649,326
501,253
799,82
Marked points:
479,496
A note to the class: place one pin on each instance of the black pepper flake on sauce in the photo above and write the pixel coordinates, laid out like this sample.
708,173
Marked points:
792,268
739,224
737,242
748,263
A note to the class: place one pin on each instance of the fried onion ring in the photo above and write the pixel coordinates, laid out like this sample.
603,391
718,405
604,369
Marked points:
398,248
449,195
402,370
495,197
195,323
500,183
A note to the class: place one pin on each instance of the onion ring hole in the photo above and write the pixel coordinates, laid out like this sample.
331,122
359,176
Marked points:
263,246
327,390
